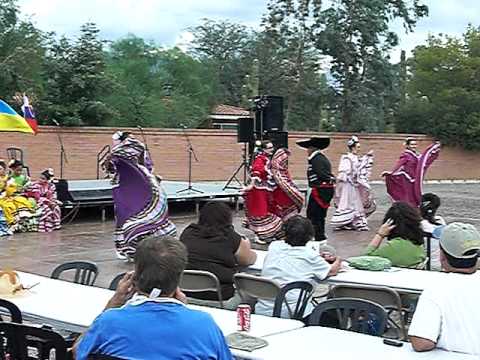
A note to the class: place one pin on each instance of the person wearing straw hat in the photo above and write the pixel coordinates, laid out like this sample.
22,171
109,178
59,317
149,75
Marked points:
321,182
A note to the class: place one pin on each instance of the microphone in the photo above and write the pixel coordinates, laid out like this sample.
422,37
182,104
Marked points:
55,122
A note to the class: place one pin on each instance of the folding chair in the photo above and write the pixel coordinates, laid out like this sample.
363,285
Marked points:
194,281
85,272
384,296
251,288
356,315
14,153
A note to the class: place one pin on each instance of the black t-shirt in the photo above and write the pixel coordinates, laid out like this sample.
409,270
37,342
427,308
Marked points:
213,250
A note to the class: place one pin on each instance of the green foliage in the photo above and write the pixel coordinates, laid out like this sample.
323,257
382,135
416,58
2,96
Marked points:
356,37
444,90
21,52
76,80
155,87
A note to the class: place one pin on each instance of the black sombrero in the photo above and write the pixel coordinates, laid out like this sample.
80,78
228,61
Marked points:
316,142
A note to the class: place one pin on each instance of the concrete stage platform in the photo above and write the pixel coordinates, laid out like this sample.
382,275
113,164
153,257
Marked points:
90,193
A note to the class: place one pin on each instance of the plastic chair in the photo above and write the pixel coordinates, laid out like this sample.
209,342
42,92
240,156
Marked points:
199,281
85,272
114,284
305,291
20,338
382,295
13,310
356,315
251,287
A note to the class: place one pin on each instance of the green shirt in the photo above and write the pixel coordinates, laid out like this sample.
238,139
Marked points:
20,181
401,252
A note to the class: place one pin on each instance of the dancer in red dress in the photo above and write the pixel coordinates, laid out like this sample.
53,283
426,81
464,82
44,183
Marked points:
258,197
287,198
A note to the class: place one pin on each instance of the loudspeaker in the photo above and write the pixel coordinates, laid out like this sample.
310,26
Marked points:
63,194
245,130
269,116
279,139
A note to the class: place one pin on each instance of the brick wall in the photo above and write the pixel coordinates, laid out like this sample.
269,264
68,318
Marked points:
217,151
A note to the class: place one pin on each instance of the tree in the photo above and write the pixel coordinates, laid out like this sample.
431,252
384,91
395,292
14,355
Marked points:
227,48
21,52
443,91
155,87
355,35
76,80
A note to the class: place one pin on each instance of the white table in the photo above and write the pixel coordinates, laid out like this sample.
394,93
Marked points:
403,280
258,266
317,342
70,306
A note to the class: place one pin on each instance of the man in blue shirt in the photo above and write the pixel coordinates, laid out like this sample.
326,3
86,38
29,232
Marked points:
154,323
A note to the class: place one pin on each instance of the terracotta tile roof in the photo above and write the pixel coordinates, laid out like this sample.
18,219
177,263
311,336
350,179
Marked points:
223,109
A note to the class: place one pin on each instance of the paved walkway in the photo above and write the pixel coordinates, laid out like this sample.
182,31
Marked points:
92,240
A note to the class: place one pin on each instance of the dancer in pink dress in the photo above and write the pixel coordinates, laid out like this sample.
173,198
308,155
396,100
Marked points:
405,181
353,196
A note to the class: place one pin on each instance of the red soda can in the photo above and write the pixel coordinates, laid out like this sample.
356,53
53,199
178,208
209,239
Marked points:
243,317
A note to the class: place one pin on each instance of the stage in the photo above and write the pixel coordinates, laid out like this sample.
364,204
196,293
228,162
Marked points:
92,193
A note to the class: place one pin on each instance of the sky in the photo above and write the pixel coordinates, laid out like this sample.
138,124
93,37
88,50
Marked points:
166,21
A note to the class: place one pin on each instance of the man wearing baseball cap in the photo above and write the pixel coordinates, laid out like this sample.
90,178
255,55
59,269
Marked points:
448,314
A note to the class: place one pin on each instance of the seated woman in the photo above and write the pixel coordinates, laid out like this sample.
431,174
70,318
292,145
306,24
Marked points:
292,260
213,245
401,227
45,194
17,174
430,222
19,212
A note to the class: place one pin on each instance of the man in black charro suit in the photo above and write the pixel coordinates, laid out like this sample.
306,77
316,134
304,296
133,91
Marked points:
321,182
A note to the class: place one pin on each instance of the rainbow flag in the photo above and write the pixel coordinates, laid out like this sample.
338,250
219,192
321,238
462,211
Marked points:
11,121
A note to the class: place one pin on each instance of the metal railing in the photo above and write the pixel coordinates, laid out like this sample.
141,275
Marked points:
102,154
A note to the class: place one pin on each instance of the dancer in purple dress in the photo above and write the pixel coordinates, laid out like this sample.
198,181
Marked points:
140,202
405,181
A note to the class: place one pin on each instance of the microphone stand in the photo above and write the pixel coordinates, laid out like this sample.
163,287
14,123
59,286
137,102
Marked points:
63,153
144,138
191,152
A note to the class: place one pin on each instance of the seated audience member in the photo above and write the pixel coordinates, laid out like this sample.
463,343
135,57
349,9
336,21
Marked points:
18,175
213,245
430,222
447,314
401,226
44,192
19,212
293,260
154,324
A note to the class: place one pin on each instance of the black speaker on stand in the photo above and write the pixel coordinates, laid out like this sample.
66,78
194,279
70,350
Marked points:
268,113
245,135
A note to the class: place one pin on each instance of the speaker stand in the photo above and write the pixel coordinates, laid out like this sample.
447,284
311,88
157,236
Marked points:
243,166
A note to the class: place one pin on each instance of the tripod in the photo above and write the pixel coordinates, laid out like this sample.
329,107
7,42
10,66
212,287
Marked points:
191,152
243,166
